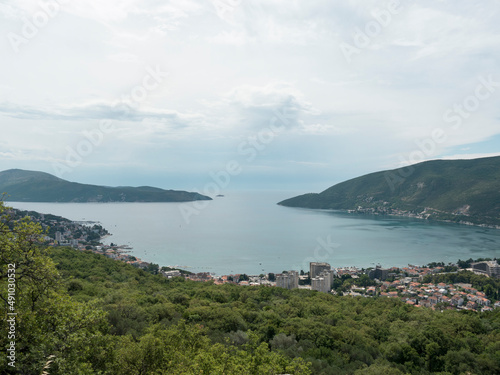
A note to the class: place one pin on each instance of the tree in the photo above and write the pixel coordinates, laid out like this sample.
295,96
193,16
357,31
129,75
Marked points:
47,323
432,351
465,263
21,250
152,268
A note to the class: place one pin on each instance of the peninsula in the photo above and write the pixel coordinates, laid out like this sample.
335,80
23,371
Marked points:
461,191
31,186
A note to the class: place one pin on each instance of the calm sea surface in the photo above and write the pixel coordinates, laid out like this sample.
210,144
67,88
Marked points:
249,233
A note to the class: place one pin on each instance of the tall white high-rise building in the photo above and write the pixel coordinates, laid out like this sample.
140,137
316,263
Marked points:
315,268
288,280
323,282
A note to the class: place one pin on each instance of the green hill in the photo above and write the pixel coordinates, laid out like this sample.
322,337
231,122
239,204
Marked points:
454,190
112,318
31,186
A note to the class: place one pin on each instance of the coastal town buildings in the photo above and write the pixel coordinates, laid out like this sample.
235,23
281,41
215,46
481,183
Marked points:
323,282
315,268
490,268
171,274
289,280
379,273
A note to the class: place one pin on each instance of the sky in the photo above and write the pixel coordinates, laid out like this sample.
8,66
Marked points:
273,94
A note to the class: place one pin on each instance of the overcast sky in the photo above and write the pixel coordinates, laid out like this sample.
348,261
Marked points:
292,95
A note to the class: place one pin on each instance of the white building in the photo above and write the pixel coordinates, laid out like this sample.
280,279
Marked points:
490,268
288,280
323,282
315,268
173,273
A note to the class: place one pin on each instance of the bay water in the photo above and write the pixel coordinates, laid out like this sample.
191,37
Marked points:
247,232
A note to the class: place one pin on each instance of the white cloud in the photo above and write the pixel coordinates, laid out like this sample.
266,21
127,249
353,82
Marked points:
257,106
124,57
229,77
325,129
121,111
269,96
470,156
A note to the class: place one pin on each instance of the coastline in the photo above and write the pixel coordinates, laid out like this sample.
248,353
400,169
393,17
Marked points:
404,282
414,216
283,253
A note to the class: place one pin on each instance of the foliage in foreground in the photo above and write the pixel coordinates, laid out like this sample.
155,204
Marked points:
99,316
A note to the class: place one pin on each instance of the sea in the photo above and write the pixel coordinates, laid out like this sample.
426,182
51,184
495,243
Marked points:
247,232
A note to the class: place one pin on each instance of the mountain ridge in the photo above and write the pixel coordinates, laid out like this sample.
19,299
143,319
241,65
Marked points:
464,191
34,186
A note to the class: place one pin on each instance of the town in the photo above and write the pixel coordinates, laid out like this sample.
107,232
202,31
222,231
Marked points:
84,235
381,208
412,284
408,284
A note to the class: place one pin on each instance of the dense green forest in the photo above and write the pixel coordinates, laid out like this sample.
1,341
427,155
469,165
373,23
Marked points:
82,313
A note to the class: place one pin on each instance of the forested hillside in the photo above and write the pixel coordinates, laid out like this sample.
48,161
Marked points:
82,313
453,190
32,186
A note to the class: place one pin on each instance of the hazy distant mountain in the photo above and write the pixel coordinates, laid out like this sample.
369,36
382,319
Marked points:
31,186
456,190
